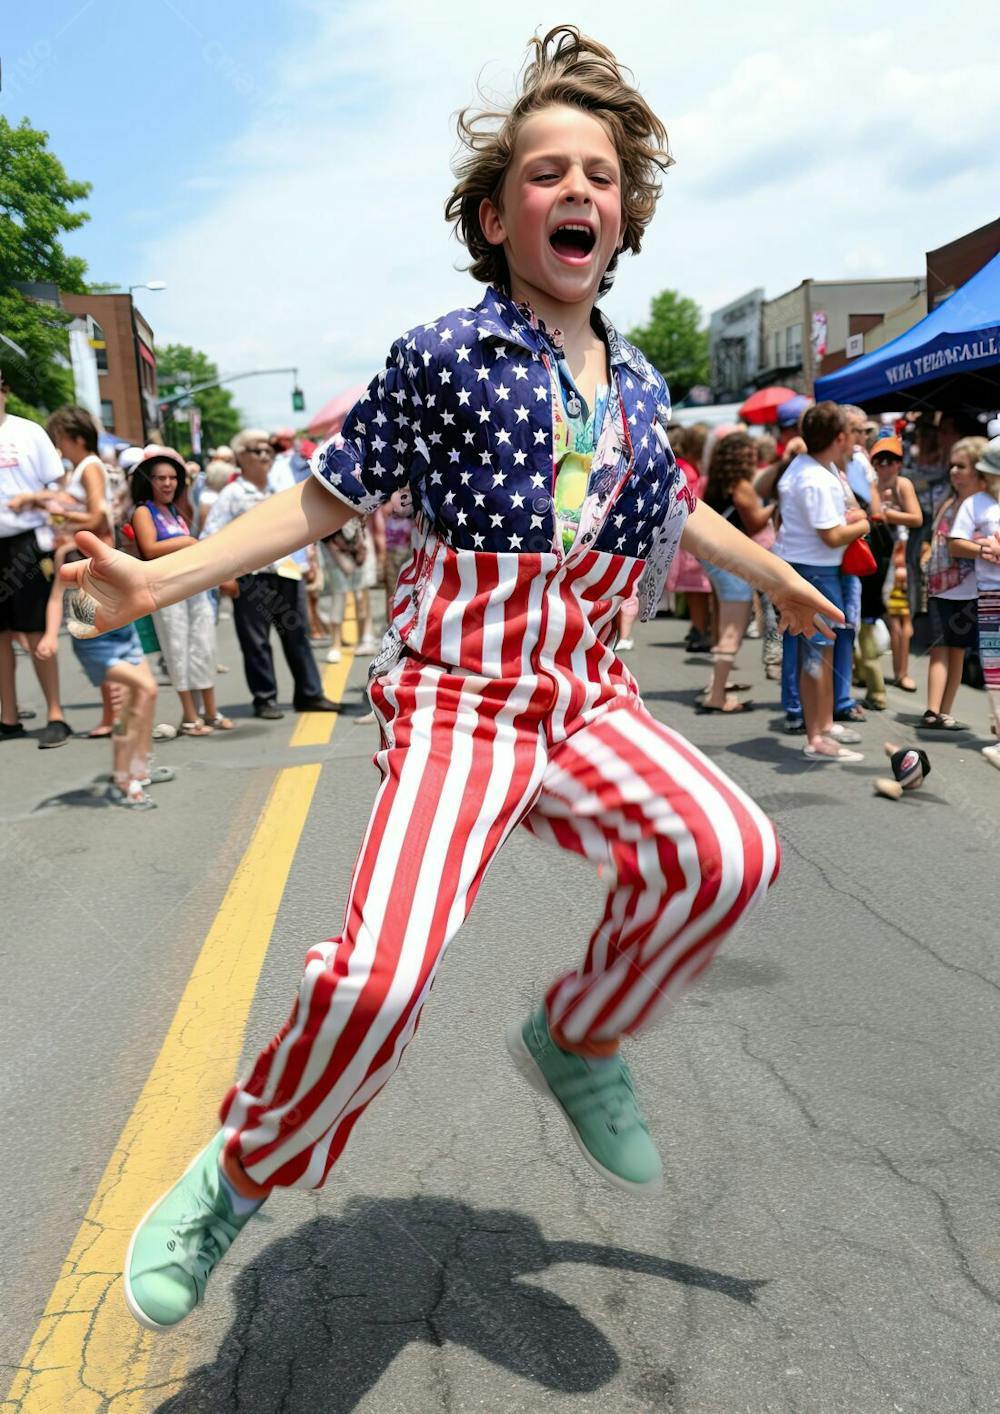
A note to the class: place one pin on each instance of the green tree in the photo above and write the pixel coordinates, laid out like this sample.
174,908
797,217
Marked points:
674,342
36,201
177,367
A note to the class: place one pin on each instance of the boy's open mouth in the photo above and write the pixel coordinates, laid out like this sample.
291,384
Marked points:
572,241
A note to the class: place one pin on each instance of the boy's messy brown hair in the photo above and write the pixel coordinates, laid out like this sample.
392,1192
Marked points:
566,68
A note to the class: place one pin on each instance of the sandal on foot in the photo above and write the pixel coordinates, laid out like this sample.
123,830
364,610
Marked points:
219,723
198,728
904,684
940,722
702,708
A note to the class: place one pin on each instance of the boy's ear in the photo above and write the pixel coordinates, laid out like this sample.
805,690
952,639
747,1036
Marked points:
491,222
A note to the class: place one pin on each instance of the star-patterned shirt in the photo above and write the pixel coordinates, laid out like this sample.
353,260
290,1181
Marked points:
463,415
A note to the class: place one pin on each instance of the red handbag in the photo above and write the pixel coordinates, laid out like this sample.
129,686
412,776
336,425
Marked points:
858,559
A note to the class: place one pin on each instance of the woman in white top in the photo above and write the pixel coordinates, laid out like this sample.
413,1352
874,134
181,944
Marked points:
951,590
975,535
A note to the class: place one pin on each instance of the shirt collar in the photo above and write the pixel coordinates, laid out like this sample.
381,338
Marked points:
499,317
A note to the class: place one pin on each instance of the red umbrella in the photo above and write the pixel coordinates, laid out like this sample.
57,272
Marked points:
763,405
330,418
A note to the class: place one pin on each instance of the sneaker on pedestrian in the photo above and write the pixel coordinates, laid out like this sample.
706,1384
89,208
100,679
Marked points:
53,734
333,656
625,645
753,631
159,776
841,754
180,1241
11,731
794,726
597,1098
854,713
135,798
992,754
847,736
269,711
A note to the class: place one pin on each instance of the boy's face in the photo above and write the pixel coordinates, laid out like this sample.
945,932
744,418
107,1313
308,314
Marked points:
564,172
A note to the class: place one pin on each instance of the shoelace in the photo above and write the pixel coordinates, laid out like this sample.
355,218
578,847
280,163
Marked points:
606,1087
201,1241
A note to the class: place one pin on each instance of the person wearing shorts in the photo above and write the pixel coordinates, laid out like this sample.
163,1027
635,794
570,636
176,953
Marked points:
816,528
30,469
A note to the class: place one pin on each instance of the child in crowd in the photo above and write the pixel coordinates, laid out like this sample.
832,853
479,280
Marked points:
975,535
114,658
498,694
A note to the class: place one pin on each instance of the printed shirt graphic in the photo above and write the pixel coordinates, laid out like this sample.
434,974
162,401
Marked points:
465,415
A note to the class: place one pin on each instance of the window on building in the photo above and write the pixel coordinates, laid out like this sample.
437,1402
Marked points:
99,346
108,414
793,345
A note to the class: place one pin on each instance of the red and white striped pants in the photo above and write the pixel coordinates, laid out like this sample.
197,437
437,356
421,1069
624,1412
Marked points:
464,761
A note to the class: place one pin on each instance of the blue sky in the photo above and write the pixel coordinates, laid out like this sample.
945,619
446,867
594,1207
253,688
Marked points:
283,167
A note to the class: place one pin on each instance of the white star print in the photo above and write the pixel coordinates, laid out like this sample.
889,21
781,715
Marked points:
540,434
541,393
445,375
503,393
517,500
538,479
484,414
482,374
522,414
515,542
462,353
503,436
520,371
520,458
477,540
496,520
463,397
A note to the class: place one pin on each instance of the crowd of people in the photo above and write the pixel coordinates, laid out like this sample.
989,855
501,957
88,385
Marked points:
150,502
829,494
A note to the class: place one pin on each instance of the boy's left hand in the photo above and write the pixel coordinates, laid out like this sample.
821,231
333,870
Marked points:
798,605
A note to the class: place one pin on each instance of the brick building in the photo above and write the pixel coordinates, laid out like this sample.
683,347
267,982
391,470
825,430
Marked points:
126,364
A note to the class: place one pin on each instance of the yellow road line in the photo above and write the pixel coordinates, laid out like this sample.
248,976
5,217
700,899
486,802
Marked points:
87,1348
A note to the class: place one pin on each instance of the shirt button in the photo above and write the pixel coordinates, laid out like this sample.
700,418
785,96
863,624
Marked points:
541,503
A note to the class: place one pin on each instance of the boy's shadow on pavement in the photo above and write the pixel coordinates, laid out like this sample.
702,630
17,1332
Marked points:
324,1312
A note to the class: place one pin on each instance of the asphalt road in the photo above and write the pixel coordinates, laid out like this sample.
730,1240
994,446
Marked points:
825,1100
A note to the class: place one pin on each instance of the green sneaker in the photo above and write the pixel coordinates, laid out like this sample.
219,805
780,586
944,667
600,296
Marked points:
176,1247
598,1099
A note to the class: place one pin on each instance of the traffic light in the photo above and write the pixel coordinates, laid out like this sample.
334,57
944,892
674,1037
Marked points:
298,400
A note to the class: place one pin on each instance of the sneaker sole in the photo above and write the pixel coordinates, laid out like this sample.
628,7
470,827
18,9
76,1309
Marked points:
533,1074
135,1309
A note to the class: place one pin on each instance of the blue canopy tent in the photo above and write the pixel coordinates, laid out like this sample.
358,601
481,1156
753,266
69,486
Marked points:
951,359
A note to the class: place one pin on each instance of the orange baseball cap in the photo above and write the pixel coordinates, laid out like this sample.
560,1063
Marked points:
888,445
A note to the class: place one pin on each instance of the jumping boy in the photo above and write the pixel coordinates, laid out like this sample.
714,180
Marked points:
532,438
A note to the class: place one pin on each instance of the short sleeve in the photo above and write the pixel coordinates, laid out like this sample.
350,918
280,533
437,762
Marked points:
821,506
380,440
963,527
48,463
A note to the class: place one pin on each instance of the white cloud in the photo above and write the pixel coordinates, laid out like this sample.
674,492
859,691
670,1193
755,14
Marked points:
807,144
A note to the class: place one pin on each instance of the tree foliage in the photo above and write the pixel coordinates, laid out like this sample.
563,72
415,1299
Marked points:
36,208
177,366
675,342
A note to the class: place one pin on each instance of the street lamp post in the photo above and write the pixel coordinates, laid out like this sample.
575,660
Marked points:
145,285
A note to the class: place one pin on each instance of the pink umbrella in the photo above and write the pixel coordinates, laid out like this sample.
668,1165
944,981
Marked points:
330,418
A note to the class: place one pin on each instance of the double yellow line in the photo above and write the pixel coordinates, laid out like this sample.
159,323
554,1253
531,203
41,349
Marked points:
87,1349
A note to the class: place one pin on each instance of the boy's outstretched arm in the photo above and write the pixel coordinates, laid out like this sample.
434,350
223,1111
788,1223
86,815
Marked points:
711,537
115,588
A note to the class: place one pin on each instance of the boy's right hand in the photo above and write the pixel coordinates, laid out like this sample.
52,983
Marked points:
112,589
